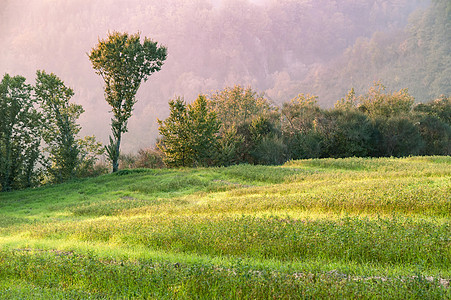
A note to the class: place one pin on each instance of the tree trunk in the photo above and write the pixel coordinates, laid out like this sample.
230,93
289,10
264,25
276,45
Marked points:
6,184
115,158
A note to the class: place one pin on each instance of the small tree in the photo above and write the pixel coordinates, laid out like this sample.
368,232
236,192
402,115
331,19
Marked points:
89,151
346,133
124,62
299,114
440,108
399,137
60,128
189,134
435,133
236,106
175,134
204,133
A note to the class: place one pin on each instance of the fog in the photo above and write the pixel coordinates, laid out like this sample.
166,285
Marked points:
276,47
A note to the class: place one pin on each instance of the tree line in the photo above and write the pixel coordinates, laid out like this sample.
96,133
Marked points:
39,132
238,125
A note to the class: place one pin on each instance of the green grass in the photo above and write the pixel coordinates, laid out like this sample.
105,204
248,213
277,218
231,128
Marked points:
322,228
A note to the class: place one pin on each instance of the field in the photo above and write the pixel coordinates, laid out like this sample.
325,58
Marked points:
324,228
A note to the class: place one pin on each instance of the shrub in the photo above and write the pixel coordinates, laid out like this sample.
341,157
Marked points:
399,137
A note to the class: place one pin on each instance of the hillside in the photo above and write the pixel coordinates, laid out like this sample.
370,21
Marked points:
368,228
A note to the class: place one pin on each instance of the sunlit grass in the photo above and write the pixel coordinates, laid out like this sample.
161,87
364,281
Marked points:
371,228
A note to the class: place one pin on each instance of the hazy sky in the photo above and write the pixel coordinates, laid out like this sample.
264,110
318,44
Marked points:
211,44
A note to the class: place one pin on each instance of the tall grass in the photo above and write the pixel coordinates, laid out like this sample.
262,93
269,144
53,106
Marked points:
322,228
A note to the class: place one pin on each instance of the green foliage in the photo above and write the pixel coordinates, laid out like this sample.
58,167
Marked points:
246,119
350,102
175,131
399,137
235,106
20,130
347,133
48,116
379,123
440,108
307,145
385,105
189,134
299,114
59,128
300,127
124,62
270,150
435,134
265,144
230,147
204,127
89,151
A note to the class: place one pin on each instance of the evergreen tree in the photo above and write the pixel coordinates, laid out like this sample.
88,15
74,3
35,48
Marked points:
175,131
204,132
189,134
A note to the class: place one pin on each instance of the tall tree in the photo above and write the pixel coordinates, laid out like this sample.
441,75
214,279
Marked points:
19,133
60,129
124,62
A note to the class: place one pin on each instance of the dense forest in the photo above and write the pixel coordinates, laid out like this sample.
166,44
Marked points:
281,48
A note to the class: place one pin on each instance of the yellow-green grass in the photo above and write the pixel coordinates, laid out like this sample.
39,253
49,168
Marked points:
369,228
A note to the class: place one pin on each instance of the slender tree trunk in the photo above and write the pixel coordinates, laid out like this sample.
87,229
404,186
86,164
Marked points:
115,159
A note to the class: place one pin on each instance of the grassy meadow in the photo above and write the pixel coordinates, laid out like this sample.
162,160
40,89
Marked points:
323,228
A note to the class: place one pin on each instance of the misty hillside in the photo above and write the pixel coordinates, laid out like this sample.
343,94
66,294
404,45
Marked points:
281,48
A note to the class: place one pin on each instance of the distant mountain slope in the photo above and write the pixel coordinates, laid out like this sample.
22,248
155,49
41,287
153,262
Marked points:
417,58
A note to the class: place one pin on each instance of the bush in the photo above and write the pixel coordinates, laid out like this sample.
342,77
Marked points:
271,150
304,146
145,158
399,137
347,133
93,170
436,135
149,158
